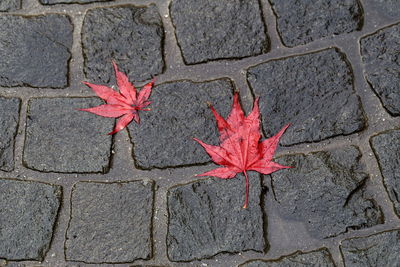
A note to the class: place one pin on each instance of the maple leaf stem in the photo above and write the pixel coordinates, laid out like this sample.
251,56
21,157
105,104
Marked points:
247,190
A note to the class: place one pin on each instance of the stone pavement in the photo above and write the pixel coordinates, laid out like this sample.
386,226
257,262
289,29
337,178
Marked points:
70,195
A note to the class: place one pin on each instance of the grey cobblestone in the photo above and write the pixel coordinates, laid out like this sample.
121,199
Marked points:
314,92
133,199
28,212
179,113
120,34
85,147
376,250
380,53
326,191
110,222
209,30
320,257
35,50
301,22
9,117
207,218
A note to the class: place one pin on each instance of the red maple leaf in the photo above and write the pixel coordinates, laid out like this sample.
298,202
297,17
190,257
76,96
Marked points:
241,149
124,104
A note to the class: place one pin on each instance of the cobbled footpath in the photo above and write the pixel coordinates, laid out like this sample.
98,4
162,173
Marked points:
71,195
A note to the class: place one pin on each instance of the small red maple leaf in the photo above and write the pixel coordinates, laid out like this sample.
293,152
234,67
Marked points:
241,149
125,103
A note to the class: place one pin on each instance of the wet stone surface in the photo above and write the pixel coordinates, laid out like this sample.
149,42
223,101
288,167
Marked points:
387,8
380,55
386,147
320,257
326,191
53,2
35,50
208,30
301,22
28,212
9,116
10,5
178,113
84,147
382,249
110,222
131,36
206,217
314,92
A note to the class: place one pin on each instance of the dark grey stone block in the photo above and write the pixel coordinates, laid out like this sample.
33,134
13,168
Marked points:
326,191
206,218
9,5
28,212
178,113
381,249
386,8
314,92
386,147
208,30
301,22
132,36
53,2
380,54
60,138
110,222
35,50
320,257
9,117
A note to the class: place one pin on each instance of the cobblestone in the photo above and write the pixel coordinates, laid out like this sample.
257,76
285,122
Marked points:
10,5
206,218
209,30
85,147
35,50
120,34
9,116
110,222
133,199
28,212
326,191
380,53
320,257
387,149
330,107
376,250
301,22
179,113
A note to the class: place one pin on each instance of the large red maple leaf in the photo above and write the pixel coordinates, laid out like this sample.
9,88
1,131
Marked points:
241,149
124,104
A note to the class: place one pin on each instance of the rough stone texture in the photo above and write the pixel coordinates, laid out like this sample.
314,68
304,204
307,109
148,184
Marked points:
382,249
178,113
380,54
326,191
208,30
301,22
320,257
9,5
110,222
35,50
314,92
53,2
9,116
386,147
387,8
206,218
60,138
132,36
28,212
